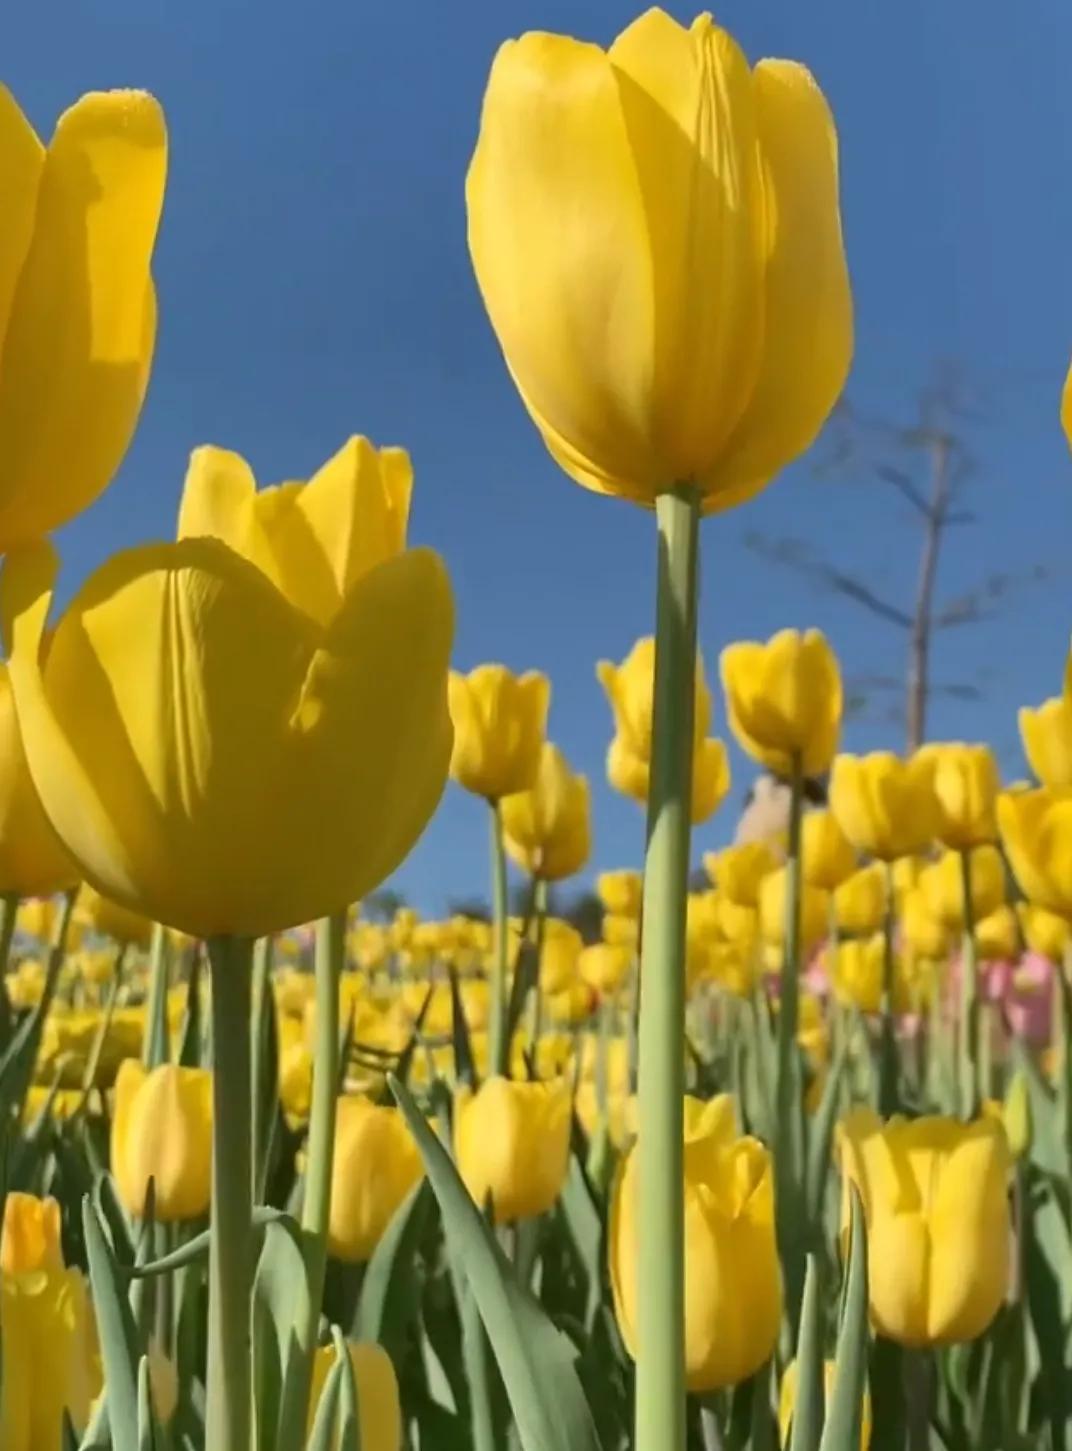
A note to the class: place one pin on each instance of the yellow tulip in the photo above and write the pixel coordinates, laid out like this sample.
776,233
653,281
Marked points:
1046,734
733,1292
619,1119
858,974
1036,831
860,901
885,806
376,1165
706,344
942,885
313,540
111,919
295,1069
737,871
630,774
924,934
966,785
620,892
935,1200
1044,932
605,967
33,862
379,1411
997,935
562,946
629,688
787,1399
51,1363
37,918
814,911
162,1130
512,1142
153,725
622,931
784,701
828,856
499,724
77,303
733,968
547,829
906,873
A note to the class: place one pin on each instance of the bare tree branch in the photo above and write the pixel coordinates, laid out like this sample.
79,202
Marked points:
792,554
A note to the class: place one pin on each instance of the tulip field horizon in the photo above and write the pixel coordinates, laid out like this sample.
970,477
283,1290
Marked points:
746,1127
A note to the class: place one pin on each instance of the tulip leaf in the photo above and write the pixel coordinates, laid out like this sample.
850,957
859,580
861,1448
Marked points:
391,1290
807,1425
322,1436
349,1420
197,1248
190,1051
464,1067
1048,1260
115,1327
280,1301
20,1055
844,1416
156,1047
586,1230
405,1059
524,981
536,1361
146,1429
1047,1149
821,1134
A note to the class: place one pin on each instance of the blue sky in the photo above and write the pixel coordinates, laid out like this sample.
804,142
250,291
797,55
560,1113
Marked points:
314,282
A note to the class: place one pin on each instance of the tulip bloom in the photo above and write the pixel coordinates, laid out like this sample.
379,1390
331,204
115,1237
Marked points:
620,892
966,785
1044,932
511,1141
559,958
46,1323
1036,831
605,967
313,540
631,775
659,327
784,701
828,856
942,885
33,862
857,974
379,1410
547,830
185,724
376,1164
885,806
629,689
934,1195
860,901
499,724
112,920
162,1130
737,871
1046,734
814,911
77,304
733,1292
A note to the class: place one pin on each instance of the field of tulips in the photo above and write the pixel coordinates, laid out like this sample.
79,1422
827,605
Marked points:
775,1153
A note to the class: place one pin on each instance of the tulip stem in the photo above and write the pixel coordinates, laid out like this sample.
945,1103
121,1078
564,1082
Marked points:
969,1006
539,902
887,1052
9,910
316,1205
788,1122
660,1379
230,1249
264,1093
499,1050
155,1046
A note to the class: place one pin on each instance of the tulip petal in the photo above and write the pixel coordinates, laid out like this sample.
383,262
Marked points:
558,236
690,116
80,337
22,158
809,329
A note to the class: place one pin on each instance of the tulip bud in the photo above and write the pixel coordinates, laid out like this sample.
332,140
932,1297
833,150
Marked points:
499,722
547,829
1046,733
162,1130
784,701
935,1198
379,1411
31,1237
512,1142
860,901
827,854
966,785
375,1166
814,911
885,806
733,1293
737,871
787,1399
620,892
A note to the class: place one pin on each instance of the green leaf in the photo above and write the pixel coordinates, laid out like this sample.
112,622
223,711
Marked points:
196,1249
146,1425
586,1230
20,1055
391,1291
1048,1261
464,1067
350,1422
115,1327
190,1055
156,1047
845,1413
807,1423
280,1301
322,1436
536,1361
820,1137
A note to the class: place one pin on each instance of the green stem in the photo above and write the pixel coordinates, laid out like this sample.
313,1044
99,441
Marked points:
9,910
227,1415
498,1048
887,1059
539,903
660,1372
967,1075
264,1093
155,1046
316,1204
788,1103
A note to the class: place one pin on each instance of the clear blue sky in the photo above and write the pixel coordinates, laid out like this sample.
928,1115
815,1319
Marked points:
314,282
